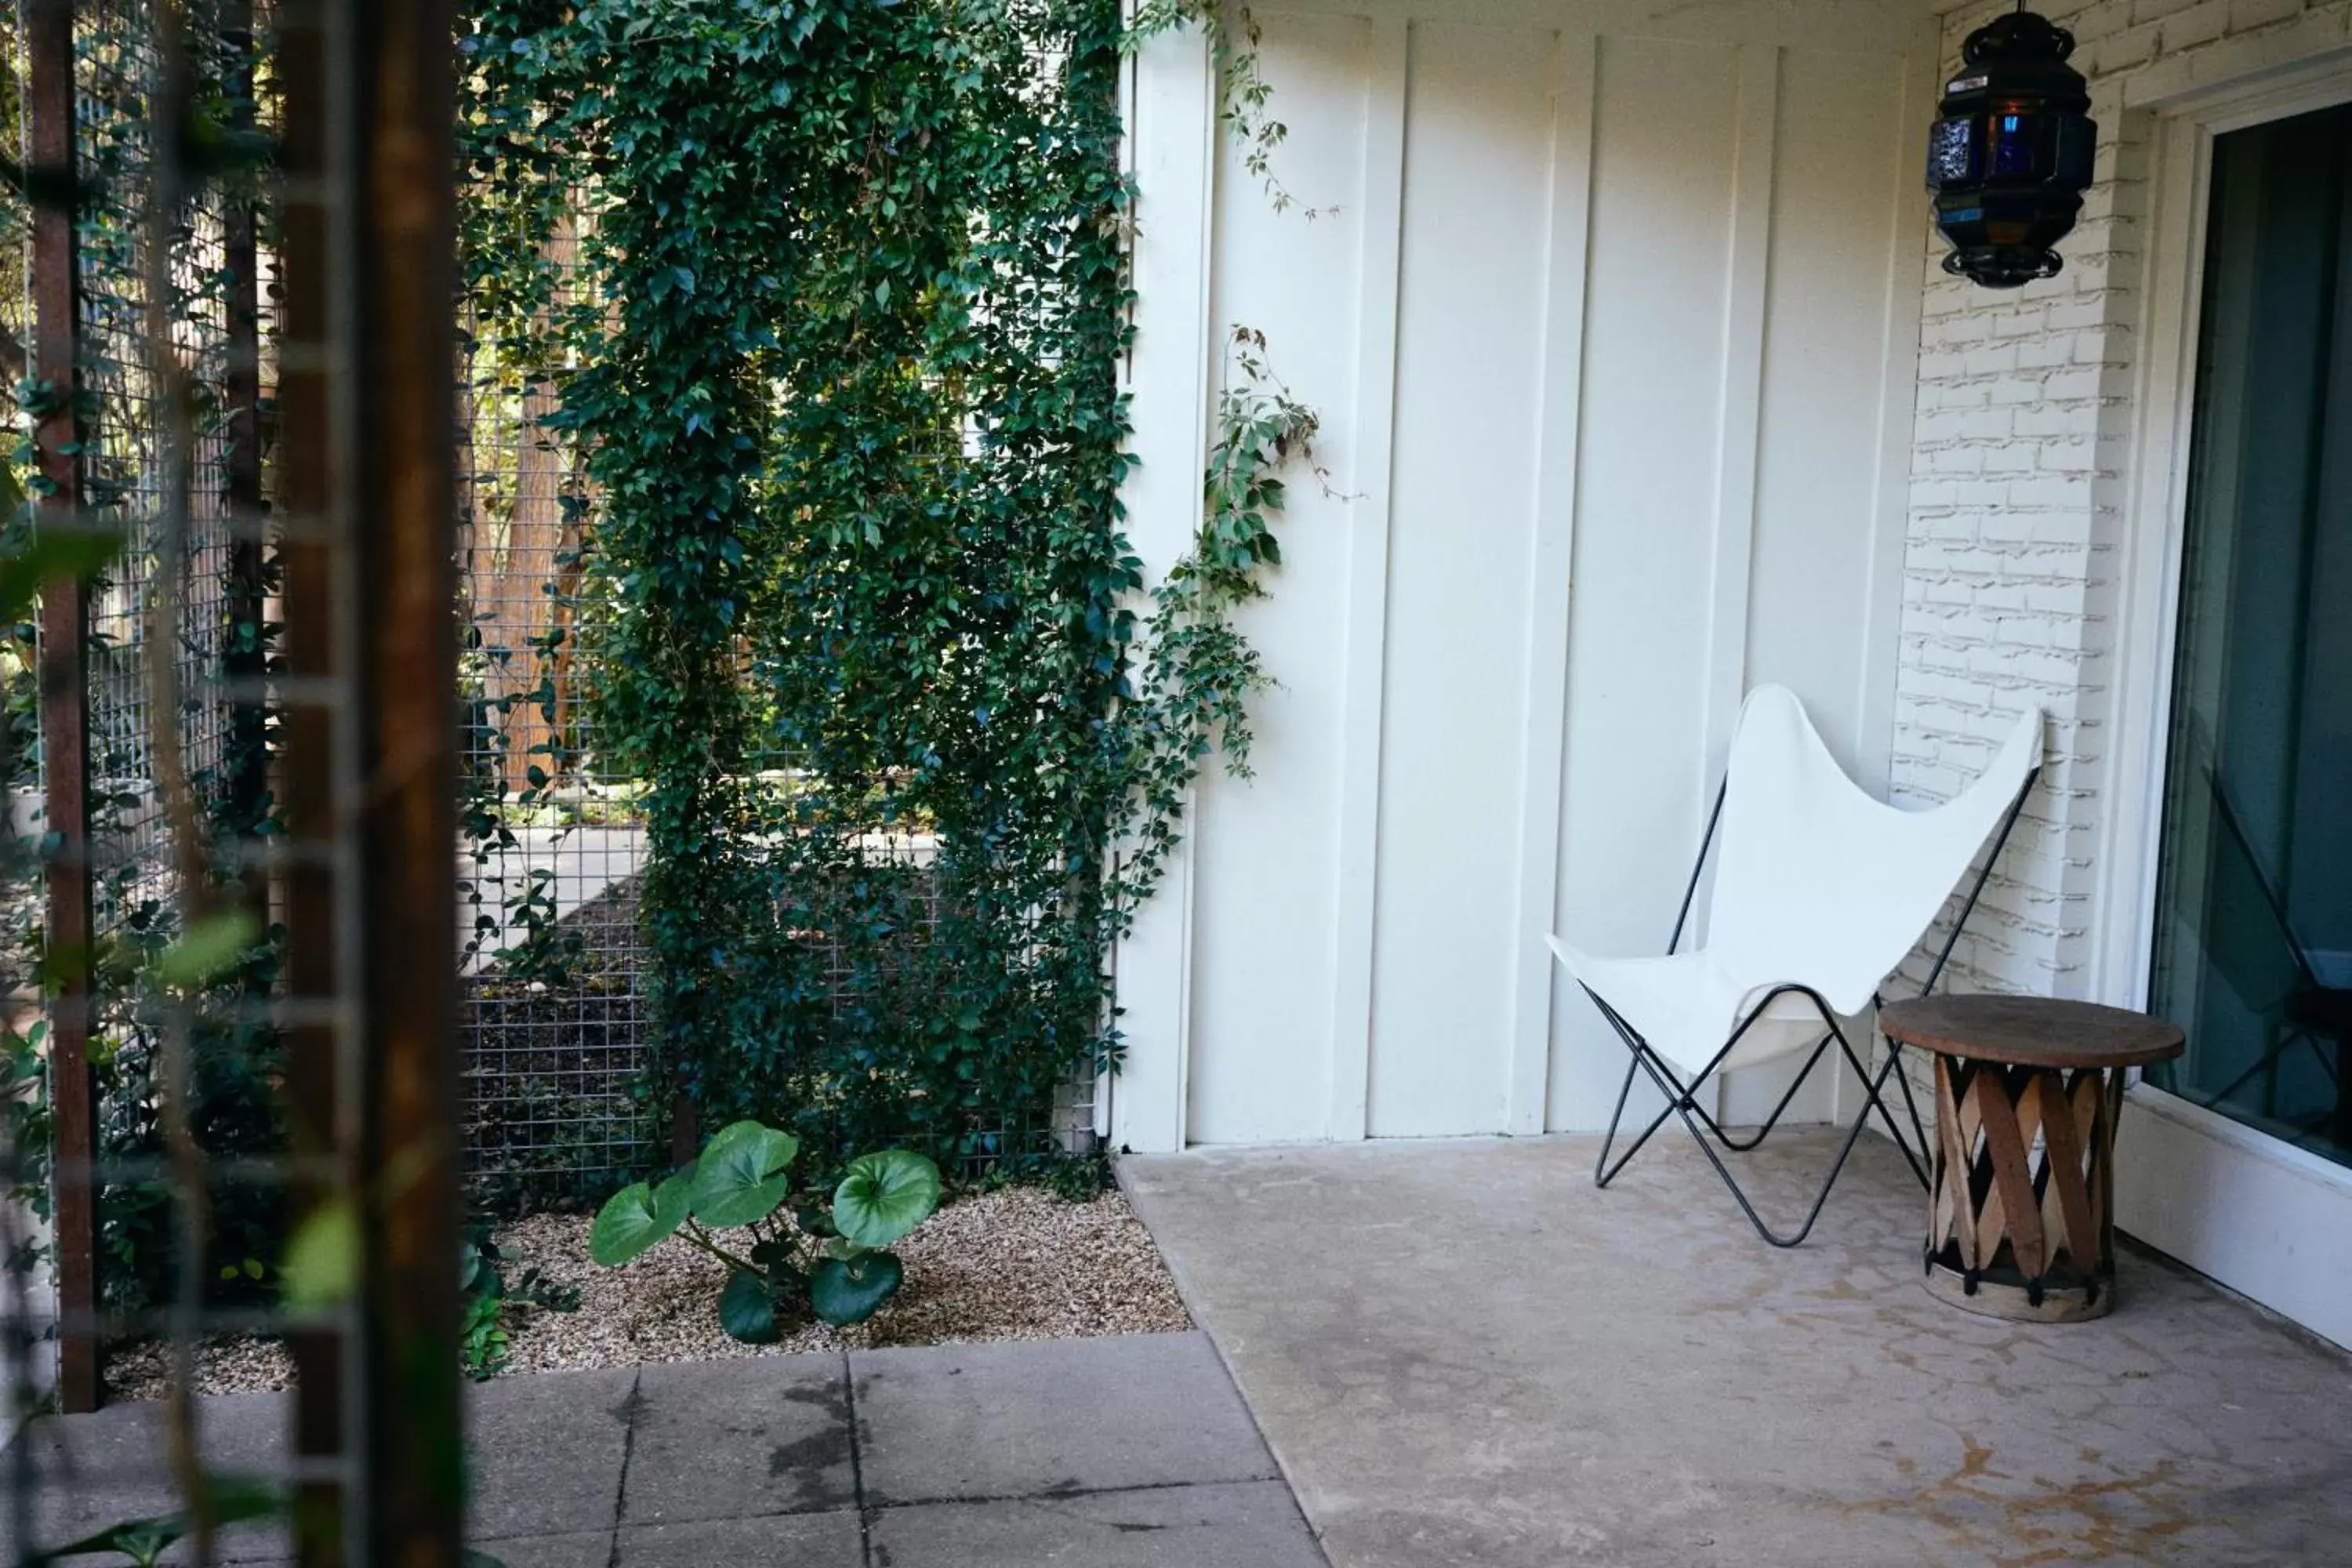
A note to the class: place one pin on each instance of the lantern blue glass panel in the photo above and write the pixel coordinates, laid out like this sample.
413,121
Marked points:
2010,153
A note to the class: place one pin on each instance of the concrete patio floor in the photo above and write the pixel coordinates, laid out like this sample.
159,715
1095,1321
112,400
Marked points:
1463,1353
1131,1452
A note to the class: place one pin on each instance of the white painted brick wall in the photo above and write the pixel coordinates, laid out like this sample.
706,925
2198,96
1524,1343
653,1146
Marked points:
2015,510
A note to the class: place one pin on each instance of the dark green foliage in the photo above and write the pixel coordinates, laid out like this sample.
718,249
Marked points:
826,1257
845,378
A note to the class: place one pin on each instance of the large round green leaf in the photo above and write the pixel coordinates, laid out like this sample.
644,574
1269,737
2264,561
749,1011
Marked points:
884,1196
850,1291
741,1175
746,1310
633,1218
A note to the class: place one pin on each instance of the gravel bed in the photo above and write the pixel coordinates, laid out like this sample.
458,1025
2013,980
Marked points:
227,1363
1017,1264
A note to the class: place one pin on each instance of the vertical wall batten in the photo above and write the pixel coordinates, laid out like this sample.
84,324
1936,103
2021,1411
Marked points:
1173,150
1472,273
1739,427
1746,274
1382,206
1558,427
1920,87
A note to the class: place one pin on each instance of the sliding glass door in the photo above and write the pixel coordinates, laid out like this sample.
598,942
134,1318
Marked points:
2254,934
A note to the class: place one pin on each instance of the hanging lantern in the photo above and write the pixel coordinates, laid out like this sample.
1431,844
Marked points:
2010,154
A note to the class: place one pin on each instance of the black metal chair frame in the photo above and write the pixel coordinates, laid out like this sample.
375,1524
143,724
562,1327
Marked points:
1682,1099
2298,1013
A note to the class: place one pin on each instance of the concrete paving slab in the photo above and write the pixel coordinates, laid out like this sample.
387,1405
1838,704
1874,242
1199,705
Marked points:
1251,1525
546,1452
586,1549
1108,1453
1463,1354
791,1541
724,1439
109,1467
1050,1416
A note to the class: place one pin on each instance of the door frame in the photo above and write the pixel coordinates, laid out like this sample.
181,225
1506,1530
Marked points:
2259,1215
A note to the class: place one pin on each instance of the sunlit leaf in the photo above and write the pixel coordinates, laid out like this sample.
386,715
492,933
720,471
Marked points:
209,949
321,1265
49,554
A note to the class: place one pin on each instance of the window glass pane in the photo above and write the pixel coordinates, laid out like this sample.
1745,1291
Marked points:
2253,945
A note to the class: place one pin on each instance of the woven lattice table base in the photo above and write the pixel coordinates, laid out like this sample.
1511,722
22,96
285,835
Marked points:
2022,1223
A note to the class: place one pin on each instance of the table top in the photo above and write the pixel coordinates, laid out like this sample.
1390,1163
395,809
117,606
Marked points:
2030,1031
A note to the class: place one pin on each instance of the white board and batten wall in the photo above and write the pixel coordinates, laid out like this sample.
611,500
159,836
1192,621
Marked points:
1610,311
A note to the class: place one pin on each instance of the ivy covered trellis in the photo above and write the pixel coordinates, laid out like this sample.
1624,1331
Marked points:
800,326
841,372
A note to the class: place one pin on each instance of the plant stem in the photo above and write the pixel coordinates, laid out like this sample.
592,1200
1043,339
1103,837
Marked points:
701,1239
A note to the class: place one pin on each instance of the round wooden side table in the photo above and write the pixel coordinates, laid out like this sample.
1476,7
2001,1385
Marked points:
2021,1220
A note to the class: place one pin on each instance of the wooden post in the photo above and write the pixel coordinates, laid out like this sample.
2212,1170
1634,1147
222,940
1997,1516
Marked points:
403,80
65,700
317,1134
367,480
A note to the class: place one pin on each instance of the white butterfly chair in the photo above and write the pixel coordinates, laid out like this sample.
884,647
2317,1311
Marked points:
1819,891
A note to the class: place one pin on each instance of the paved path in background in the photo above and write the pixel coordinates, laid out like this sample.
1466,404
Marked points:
1128,1452
1465,1354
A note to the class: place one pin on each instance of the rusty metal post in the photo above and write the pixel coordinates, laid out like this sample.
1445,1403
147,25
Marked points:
405,88
320,1135
65,699
367,487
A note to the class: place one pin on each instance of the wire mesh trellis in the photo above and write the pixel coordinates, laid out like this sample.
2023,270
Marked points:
158,475
557,1022
179,548
553,1022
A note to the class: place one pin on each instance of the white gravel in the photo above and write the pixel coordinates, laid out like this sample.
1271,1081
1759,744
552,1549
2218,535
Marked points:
1017,1264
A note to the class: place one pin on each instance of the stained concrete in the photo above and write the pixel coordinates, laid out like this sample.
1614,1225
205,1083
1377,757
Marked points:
1131,1452
723,1439
1251,1525
1051,1418
1463,1353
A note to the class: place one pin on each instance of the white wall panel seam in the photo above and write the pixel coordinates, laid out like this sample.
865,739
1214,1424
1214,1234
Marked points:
1739,427
1374,426
1175,127
1559,428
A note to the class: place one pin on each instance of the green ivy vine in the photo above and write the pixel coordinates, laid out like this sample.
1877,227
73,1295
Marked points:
915,741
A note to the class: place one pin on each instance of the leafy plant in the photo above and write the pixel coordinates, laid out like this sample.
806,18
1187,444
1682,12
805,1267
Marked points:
804,1254
1243,90
491,1301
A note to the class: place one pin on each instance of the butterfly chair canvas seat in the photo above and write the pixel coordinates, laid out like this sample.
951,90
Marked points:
1819,891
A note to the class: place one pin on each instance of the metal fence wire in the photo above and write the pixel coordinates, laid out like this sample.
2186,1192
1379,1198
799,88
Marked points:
177,549
553,1024
557,1025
